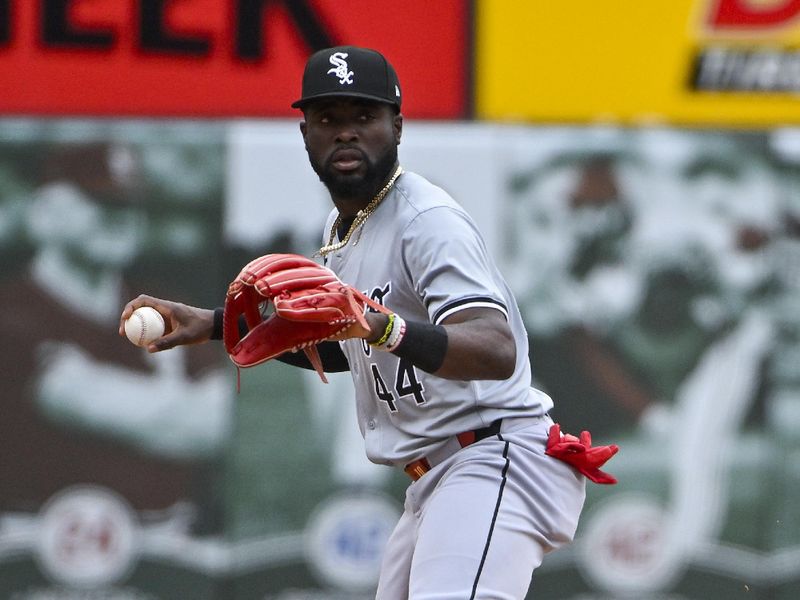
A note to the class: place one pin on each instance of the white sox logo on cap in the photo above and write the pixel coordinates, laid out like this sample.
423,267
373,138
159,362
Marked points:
340,68
331,73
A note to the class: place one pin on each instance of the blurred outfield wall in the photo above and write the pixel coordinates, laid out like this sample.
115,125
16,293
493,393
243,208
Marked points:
658,271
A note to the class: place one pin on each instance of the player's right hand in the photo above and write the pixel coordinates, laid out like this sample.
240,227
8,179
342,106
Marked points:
184,324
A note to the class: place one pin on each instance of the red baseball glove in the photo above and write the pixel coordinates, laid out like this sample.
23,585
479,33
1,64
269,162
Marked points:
578,453
310,305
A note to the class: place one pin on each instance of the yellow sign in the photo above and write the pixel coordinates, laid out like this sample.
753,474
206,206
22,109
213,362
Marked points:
692,62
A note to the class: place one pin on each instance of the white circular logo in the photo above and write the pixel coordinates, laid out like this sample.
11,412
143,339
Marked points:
626,546
87,538
346,536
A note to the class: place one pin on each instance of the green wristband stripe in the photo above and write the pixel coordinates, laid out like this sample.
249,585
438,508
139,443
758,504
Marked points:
386,332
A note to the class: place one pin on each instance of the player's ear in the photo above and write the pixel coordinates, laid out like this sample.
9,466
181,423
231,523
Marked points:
303,130
397,125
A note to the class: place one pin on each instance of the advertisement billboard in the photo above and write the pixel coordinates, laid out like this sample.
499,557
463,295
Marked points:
205,58
727,63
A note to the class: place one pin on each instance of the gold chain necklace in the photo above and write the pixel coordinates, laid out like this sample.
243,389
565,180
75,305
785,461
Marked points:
359,220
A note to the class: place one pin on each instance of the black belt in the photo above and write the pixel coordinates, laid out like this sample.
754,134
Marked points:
418,468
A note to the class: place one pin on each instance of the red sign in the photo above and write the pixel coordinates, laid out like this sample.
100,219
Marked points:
217,58
750,14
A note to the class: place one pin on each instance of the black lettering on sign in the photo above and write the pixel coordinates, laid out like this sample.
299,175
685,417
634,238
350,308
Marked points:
750,70
59,32
249,36
5,22
156,37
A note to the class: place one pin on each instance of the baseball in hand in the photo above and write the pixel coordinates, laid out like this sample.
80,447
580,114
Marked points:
144,325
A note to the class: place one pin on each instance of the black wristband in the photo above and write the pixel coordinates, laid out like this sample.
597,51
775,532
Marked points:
216,333
424,345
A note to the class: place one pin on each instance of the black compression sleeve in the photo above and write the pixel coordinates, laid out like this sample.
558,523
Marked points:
333,359
216,333
424,345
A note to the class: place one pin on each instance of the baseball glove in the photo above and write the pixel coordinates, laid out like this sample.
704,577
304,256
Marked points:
310,305
579,453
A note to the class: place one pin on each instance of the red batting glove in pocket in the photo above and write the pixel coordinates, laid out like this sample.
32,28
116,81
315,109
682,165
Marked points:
578,453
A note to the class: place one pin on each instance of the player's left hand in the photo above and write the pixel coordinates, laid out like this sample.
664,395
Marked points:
377,322
311,305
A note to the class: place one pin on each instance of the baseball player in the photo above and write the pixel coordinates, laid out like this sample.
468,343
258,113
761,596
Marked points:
442,377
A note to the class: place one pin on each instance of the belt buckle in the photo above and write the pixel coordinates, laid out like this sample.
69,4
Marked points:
418,468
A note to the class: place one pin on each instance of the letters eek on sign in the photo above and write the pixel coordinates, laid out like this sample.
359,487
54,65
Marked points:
59,28
213,58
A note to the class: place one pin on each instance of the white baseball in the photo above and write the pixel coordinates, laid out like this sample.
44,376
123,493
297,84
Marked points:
144,325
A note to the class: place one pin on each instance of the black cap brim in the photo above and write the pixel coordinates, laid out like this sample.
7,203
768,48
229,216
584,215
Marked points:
303,102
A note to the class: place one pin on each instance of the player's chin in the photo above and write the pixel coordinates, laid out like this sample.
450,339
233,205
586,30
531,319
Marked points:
349,175
347,183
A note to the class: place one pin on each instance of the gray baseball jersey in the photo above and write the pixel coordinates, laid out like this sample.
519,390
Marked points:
422,256
480,520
